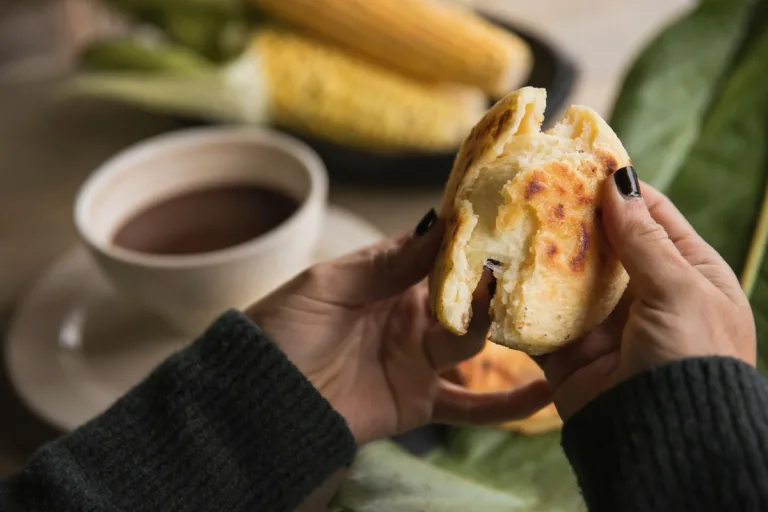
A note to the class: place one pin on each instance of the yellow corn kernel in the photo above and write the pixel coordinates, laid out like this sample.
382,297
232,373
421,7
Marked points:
319,89
424,38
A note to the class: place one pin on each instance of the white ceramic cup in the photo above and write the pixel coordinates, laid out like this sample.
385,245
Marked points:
189,291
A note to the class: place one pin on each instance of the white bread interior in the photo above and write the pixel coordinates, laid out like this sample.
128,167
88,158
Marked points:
530,200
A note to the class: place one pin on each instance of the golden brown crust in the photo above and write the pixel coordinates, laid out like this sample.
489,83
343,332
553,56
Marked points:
496,368
487,138
483,144
570,253
532,201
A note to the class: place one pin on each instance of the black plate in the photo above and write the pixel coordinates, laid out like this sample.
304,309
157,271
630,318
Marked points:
552,70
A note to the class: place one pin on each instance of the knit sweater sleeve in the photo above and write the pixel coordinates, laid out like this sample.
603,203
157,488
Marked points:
690,435
225,424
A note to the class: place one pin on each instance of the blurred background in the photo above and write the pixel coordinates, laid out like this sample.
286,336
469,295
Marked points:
386,124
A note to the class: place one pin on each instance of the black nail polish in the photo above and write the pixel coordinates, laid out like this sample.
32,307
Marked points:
626,181
493,265
426,223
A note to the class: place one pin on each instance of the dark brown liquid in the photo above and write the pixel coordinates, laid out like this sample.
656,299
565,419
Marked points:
205,220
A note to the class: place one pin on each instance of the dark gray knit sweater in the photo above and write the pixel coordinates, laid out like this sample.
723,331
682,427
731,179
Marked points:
229,424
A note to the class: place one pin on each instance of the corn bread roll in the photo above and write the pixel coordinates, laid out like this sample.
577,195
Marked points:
528,202
497,368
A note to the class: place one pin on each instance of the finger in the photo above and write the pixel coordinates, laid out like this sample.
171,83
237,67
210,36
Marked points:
690,244
456,405
391,267
602,340
702,256
609,329
445,349
641,244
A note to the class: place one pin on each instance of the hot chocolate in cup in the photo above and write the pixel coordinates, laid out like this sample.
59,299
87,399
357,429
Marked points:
195,222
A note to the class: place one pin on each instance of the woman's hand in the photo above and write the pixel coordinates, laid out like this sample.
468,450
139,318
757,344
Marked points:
683,300
360,328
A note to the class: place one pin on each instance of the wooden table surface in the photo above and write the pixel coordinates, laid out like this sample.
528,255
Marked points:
48,147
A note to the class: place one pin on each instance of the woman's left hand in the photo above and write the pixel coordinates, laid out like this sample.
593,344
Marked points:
361,330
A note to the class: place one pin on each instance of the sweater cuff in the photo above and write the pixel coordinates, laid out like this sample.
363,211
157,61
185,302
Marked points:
228,420
258,392
682,436
272,394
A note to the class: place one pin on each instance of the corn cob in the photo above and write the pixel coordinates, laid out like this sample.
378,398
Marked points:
420,37
309,87
321,90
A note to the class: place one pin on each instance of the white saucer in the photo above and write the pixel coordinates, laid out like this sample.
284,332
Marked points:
74,346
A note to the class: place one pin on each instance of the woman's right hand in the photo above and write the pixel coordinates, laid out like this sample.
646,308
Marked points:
683,300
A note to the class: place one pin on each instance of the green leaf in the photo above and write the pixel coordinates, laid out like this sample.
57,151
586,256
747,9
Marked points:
720,184
667,91
693,114
756,266
234,92
172,93
531,467
756,254
213,35
755,283
217,30
129,54
759,301
480,469
141,9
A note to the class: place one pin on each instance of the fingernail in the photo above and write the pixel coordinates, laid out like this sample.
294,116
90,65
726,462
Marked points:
493,265
626,181
426,223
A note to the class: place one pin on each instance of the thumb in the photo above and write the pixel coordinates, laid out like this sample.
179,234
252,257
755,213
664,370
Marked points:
642,245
